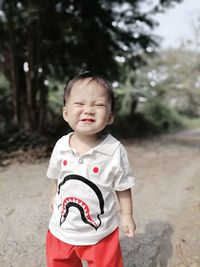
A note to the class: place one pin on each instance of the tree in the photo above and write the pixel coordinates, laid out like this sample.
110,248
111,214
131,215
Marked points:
54,39
172,78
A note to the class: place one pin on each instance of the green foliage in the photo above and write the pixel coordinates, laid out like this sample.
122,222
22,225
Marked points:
172,75
56,124
157,97
130,126
64,37
42,40
161,117
191,123
154,117
46,42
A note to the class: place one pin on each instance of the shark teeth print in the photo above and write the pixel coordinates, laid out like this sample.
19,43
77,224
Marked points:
71,200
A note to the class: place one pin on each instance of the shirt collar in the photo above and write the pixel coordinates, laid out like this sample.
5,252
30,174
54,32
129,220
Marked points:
107,146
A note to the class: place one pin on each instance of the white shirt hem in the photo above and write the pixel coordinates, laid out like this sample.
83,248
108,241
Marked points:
88,240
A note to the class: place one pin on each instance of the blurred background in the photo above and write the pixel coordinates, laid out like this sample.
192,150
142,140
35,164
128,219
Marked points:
150,52
145,48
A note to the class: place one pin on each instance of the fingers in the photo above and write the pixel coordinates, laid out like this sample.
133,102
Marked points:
129,229
128,225
130,232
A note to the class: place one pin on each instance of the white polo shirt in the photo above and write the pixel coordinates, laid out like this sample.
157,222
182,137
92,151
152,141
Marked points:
85,208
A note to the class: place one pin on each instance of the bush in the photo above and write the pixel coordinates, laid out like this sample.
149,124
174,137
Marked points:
161,117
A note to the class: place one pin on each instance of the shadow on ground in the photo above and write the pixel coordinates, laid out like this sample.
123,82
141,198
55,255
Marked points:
149,249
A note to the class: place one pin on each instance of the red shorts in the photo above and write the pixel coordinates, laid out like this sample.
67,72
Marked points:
106,253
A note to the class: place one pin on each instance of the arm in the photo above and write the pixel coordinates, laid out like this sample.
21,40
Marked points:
126,210
53,194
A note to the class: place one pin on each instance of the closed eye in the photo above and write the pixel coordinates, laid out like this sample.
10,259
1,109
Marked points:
78,103
100,105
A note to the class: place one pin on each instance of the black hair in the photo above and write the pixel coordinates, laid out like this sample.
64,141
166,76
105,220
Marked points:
93,78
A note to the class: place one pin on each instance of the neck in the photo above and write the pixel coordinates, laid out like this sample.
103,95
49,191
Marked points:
83,143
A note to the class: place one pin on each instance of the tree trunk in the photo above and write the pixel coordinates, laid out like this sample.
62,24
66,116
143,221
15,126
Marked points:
42,108
13,72
29,87
15,89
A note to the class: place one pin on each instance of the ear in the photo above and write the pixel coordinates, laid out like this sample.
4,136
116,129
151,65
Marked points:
110,119
64,113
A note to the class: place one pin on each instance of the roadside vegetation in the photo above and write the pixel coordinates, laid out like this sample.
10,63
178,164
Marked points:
157,91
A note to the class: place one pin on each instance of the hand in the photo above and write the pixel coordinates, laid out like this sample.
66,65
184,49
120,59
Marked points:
128,224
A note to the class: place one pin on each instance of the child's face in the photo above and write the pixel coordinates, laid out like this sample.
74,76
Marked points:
88,109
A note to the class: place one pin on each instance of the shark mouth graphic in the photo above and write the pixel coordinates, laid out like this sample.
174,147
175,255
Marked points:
80,204
83,208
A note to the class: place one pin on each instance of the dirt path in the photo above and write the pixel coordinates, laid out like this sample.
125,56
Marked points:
166,201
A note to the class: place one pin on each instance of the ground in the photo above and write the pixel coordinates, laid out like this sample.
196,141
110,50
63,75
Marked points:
166,206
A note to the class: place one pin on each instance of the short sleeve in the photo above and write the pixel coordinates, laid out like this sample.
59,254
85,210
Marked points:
124,178
53,168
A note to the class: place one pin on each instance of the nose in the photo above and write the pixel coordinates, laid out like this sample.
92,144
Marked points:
89,110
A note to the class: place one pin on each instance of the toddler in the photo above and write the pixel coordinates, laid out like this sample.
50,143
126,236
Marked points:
87,167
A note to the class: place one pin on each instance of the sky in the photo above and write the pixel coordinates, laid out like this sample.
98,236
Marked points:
176,23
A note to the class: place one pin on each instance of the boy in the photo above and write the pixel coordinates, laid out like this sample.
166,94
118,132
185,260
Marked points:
87,167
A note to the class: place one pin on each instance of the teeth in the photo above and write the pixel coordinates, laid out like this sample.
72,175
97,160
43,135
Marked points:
83,205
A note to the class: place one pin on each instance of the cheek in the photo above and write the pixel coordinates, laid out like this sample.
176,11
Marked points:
107,114
72,111
77,112
74,114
